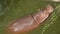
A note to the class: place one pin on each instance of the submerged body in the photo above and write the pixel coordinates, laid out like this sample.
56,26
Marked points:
29,22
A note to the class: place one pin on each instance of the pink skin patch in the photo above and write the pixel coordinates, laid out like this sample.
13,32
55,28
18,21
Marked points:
29,22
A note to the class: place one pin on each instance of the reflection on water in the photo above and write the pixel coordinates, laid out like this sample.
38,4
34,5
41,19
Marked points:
0,7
